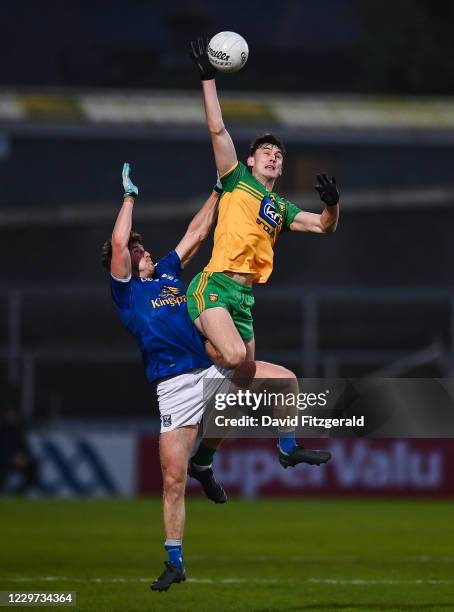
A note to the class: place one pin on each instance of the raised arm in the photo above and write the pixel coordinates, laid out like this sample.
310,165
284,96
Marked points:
326,222
199,228
120,266
223,147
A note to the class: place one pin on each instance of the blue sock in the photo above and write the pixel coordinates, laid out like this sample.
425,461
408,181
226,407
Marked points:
174,550
287,441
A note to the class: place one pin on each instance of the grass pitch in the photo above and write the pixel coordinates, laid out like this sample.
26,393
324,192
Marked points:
244,556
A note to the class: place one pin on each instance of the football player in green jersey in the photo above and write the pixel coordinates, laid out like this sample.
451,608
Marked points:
251,217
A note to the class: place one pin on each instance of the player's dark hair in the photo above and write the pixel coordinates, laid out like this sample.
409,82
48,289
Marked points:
266,139
106,254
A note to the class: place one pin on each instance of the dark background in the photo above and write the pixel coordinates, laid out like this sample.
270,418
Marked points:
366,46
73,337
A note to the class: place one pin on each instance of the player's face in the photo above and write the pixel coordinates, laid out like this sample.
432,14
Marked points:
141,262
267,162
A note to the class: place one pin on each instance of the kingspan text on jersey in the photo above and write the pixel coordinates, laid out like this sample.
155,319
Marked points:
171,301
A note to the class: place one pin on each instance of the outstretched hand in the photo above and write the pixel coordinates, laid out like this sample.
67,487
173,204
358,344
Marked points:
199,54
130,190
327,189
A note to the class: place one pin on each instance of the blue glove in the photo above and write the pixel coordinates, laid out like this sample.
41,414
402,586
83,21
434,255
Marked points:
130,189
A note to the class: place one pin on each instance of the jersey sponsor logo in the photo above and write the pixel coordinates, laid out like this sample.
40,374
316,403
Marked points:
167,276
169,296
269,213
166,420
213,297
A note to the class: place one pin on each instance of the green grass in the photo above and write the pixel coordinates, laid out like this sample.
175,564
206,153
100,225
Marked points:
278,555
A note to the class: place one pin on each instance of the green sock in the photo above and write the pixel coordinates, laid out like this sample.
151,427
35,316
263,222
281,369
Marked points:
204,455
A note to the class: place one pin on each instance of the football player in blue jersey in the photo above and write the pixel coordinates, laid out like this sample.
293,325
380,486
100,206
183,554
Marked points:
151,301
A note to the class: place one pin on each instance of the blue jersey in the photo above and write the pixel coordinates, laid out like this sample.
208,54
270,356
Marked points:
154,310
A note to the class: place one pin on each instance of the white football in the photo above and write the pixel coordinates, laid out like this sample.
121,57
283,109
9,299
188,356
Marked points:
228,51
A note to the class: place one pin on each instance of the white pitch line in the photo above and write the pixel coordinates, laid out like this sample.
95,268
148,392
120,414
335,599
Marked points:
332,581
360,581
327,559
274,557
147,580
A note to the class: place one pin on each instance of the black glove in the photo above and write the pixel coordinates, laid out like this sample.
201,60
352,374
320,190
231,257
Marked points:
327,189
199,55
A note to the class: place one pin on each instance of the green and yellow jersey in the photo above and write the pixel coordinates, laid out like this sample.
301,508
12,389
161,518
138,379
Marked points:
249,223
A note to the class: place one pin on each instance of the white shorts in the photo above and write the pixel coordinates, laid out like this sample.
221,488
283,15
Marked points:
183,398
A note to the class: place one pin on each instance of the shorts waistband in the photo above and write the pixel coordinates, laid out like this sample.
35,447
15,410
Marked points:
225,280
157,381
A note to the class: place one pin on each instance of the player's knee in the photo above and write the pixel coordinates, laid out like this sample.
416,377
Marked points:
174,482
234,356
287,373
212,352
